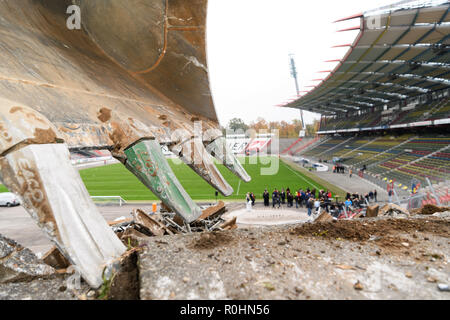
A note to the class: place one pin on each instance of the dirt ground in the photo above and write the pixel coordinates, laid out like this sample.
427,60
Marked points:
380,258
366,259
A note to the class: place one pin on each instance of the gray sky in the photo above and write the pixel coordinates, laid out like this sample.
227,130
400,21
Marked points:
248,46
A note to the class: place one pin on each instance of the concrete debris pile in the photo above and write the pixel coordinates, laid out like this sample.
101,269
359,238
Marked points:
388,210
324,217
143,225
19,264
393,210
430,209
445,214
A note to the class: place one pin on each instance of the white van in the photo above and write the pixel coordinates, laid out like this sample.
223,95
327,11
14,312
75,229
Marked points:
9,199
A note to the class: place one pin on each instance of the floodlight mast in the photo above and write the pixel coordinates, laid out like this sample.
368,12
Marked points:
294,75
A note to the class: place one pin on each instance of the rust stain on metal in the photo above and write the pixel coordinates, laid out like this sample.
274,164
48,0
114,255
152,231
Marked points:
4,134
66,130
15,109
35,117
132,124
152,168
119,138
42,136
104,115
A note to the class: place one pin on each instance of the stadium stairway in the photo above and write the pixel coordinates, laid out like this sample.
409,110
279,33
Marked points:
436,169
415,160
335,150
324,146
308,145
283,144
352,149
291,146
386,153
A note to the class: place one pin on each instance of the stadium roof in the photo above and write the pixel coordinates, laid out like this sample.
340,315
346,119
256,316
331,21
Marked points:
401,51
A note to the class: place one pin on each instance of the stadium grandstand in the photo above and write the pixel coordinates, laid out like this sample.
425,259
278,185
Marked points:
89,156
385,108
243,144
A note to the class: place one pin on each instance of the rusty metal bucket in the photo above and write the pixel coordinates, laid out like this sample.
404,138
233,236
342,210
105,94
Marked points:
132,77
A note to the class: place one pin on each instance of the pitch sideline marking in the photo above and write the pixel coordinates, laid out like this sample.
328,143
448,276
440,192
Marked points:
296,173
239,187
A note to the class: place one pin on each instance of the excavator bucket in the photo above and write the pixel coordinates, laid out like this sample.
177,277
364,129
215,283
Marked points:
125,76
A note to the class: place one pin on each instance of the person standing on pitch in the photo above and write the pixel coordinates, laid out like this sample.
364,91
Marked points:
266,197
274,197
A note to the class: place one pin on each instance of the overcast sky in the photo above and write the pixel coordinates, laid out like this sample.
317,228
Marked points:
249,42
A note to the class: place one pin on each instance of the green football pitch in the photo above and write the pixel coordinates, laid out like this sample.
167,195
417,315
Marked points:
116,180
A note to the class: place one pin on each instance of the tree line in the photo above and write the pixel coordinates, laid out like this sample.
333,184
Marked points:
286,129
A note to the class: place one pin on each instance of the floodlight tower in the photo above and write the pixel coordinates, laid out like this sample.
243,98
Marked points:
294,75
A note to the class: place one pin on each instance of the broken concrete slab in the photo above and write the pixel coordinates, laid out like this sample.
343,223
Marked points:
372,211
51,289
120,222
55,259
324,217
392,209
132,237
230,224
445,214
210,212
154,227
287,263
20,264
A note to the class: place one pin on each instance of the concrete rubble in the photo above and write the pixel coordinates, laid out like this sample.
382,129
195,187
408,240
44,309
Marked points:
346,259
445,214
324,217
20,264
143,225
430,209
380,257
393,210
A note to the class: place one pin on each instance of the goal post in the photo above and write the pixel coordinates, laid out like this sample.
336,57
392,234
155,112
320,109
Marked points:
109,200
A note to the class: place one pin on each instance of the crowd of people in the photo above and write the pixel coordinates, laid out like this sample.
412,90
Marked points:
338,168
314,201
359,200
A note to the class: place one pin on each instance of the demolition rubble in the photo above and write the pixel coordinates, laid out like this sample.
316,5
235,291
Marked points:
20,264
143,225
387,252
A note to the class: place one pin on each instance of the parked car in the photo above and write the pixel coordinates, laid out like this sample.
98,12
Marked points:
9,199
